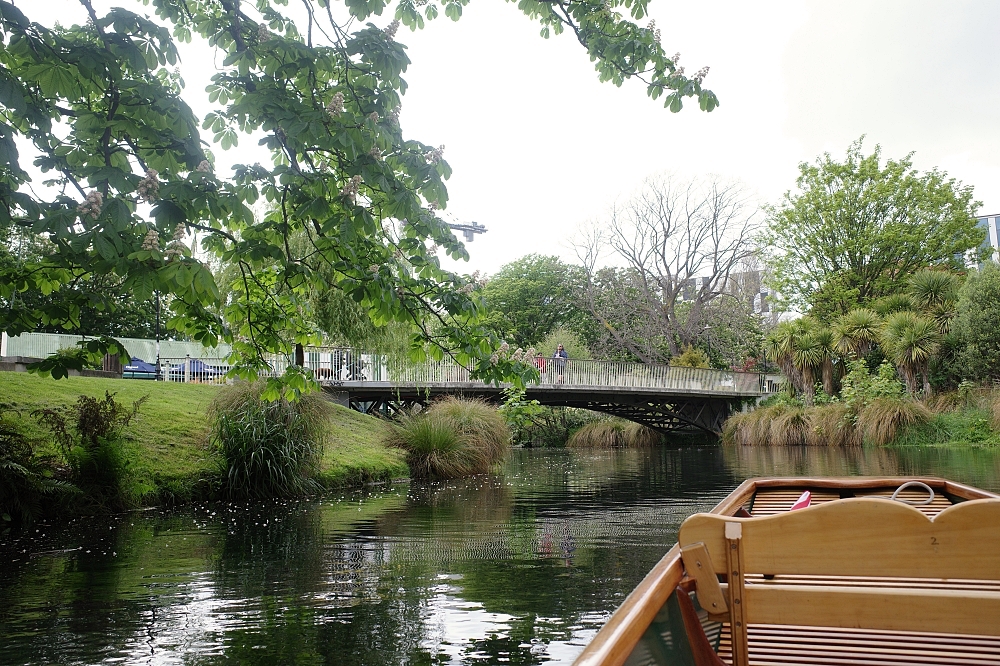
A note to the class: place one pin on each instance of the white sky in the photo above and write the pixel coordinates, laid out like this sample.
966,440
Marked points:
539,146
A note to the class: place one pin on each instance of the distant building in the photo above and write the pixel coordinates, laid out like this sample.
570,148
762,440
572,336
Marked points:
745,285
991,223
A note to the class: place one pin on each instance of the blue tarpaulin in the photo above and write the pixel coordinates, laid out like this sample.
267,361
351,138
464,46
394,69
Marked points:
138,369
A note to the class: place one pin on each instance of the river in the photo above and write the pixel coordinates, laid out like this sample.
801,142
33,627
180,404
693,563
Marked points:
519,568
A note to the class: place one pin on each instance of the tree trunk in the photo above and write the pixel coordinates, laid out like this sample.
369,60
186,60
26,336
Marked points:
300,355
809,389
909,378
928,391
828,376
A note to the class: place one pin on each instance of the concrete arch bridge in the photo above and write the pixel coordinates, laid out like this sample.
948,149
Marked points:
662,397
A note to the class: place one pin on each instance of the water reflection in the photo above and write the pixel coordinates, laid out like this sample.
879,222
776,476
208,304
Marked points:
518,568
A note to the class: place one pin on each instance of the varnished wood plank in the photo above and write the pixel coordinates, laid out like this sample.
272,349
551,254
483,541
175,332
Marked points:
699,566
825,645
958,611
864,537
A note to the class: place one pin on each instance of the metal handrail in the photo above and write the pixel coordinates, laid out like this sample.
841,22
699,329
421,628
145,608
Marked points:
345,366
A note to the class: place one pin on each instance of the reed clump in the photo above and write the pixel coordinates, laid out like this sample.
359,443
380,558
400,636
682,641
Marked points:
267,448
452,438
613,434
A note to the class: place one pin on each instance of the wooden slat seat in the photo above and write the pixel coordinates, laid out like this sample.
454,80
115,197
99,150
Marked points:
771,501
822,646
912,496
798,585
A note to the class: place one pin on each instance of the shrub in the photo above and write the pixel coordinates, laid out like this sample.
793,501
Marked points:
91,437
452,438
24,484
881,420
435,450
995,412
690,357
267,448
533,424
859,387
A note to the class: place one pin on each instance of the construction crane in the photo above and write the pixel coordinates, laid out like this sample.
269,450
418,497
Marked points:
468,230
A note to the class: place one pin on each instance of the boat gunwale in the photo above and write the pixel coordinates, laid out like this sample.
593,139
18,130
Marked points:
621,633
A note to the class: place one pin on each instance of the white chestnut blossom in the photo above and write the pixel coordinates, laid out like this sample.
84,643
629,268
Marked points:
434,156
336,105
148,188
350,190
92,205
151,242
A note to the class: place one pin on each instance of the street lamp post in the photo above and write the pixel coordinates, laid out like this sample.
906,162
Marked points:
157,335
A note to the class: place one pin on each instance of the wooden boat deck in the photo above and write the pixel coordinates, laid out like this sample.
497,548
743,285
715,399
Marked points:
771,501
786,644
780,645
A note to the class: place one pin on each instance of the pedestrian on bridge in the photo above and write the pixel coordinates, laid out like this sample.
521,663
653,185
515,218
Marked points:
559,360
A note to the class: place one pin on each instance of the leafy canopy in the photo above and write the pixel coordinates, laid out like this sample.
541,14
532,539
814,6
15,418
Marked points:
100,111
857,229
529,298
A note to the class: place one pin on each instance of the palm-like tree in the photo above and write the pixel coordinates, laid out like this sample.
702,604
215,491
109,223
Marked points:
936,293
800,347
780,345
857,332
807,355
825,339
930,287
893,303
910,340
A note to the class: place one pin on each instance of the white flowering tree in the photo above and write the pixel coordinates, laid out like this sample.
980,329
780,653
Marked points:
128,175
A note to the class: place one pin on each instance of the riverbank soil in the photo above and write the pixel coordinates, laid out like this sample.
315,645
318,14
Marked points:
171,432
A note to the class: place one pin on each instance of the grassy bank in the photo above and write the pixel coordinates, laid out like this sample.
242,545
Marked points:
170,433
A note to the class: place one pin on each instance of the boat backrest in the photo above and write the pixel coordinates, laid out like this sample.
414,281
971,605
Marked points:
842,564
863,537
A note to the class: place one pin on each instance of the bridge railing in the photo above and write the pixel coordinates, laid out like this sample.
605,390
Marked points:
344,366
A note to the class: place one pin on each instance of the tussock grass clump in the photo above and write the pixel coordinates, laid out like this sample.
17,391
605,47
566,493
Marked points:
790,427
830,425
267,448
994,405
452,438
882,419
478,423
613,434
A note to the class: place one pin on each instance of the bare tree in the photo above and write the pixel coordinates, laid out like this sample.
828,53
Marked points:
678,245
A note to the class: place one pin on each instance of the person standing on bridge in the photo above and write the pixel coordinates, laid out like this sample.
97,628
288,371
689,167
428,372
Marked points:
559,360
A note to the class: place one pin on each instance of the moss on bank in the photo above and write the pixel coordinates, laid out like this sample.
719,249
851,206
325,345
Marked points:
171,432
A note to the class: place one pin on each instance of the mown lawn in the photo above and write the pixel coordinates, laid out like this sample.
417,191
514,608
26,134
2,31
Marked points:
171,430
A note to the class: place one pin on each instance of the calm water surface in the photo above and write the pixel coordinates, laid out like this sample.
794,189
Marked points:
521,568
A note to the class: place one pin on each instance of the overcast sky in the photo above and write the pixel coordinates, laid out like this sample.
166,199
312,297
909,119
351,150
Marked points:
539,146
